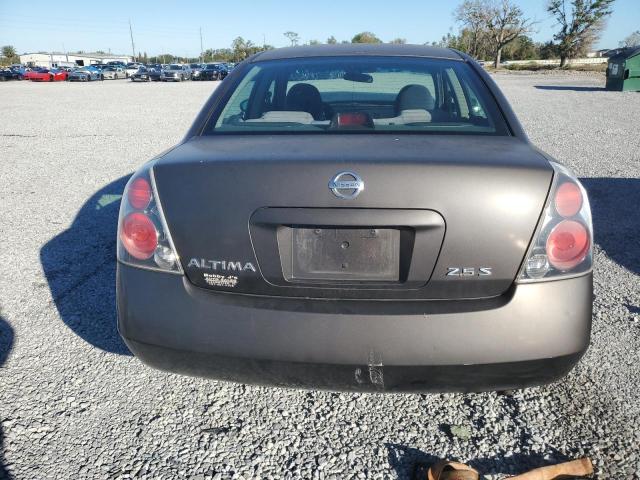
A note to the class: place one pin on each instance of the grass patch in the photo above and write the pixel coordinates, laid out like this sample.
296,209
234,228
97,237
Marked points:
534,67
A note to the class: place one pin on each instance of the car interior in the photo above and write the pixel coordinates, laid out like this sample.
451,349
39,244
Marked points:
356,97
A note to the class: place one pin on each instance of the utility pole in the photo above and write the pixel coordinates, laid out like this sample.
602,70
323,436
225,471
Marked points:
201,54
133,47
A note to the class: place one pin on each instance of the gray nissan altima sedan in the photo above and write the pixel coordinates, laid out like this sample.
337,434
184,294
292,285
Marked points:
357,217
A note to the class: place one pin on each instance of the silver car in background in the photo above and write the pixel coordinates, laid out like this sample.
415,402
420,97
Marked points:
85,74
176,73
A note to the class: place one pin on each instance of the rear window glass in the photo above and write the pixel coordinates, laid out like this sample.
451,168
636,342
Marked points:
360,94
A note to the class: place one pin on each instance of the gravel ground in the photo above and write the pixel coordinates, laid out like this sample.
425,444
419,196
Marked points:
75,404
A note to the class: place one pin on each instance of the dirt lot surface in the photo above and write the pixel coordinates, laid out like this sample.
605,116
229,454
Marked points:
75,404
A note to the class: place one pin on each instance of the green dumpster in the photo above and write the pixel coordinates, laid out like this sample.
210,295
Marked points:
623,70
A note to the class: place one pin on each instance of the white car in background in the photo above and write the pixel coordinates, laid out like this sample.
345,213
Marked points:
113,72
132,68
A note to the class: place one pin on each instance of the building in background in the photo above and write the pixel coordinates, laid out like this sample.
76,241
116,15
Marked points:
54,59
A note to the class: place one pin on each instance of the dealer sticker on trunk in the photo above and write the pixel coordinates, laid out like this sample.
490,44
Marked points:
216,280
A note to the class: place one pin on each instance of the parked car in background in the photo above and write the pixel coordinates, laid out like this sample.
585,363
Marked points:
155,75
85,74
142,75
132,68
20,70
113,72
11,73
296,235
32,71
213,71
154,71
176,73
196,68
49,75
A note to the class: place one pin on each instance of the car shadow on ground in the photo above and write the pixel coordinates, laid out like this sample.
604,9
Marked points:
6,342
570,88
80,264
616,220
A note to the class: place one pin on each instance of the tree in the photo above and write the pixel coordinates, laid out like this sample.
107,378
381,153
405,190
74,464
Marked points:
632,40
522,48
581,27
9,54
293,37
472,14
314,42
365,37
505,22
241,48
8,51
399,41
332,40
218,54
548,50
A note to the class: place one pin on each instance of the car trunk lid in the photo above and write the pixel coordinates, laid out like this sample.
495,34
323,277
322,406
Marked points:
444,216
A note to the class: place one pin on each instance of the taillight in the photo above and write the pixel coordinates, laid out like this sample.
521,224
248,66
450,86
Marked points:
562,244
567,245
139,235
139,193
568,199
143,236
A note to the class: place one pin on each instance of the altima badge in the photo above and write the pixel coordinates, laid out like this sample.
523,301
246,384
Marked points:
226,265
346,185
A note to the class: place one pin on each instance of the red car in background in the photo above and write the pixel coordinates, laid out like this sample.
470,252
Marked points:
27,75
46,75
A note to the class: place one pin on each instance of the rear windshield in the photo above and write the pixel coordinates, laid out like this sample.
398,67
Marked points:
360,94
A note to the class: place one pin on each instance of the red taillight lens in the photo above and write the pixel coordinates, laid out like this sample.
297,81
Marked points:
567,245
139,193
139,235
568,200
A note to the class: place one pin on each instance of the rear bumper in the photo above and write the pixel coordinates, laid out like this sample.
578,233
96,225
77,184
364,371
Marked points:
532,335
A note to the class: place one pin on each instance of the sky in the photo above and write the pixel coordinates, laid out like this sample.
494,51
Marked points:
164,26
